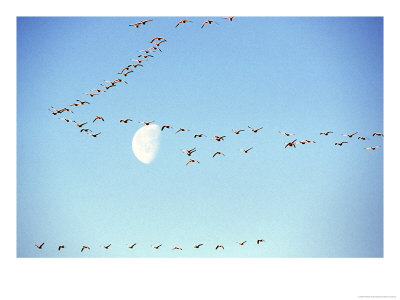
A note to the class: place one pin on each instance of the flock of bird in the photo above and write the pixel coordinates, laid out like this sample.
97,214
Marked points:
146,53
197,246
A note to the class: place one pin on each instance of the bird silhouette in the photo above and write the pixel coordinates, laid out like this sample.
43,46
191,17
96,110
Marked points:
237,131
182,22
246,150
377,134
124,120
192,160
94,134
220,153
372,148
255,130
326,133
40,246
182,129
350,135
340,143
166,127
291,144
98,118
208,22
85,247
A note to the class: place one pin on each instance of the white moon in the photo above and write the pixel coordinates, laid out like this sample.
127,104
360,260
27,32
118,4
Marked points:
145,143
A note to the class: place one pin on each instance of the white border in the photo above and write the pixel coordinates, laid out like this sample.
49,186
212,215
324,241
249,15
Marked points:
198,278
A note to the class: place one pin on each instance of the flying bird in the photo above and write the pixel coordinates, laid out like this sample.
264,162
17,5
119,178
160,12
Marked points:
255,130
146,123
66,120
246,150
189,151
85,247
176,248
97,90
79,125
183,22
157,39
145,21
287,134
350,135
237,131
155,48
260,241
377,134
124,69
82,102
372,148
106,247
305,142
126,73
98,118
216,153
125,121
136,24
91,95
166,127
54,111
135,66
229,18
131,246
219,246
198,245
146,51
40,246
340,143
182,129
363,138
159,43
156,247
199,135
241,243
94,134
139,61
60,247
326,133
291,144
192,160
218,138
145,56
85,130
208,22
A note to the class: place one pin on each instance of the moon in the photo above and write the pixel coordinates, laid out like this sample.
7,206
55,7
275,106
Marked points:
145,143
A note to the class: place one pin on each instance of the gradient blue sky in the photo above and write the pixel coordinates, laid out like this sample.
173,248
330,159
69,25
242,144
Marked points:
300,75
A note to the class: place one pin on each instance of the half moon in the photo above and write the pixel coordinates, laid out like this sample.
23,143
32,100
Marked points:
145,143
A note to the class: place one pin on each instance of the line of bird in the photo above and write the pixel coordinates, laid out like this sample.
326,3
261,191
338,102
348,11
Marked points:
293,143
85,247
156,42
181,22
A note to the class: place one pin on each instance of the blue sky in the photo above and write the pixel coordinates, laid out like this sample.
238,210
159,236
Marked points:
299,75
